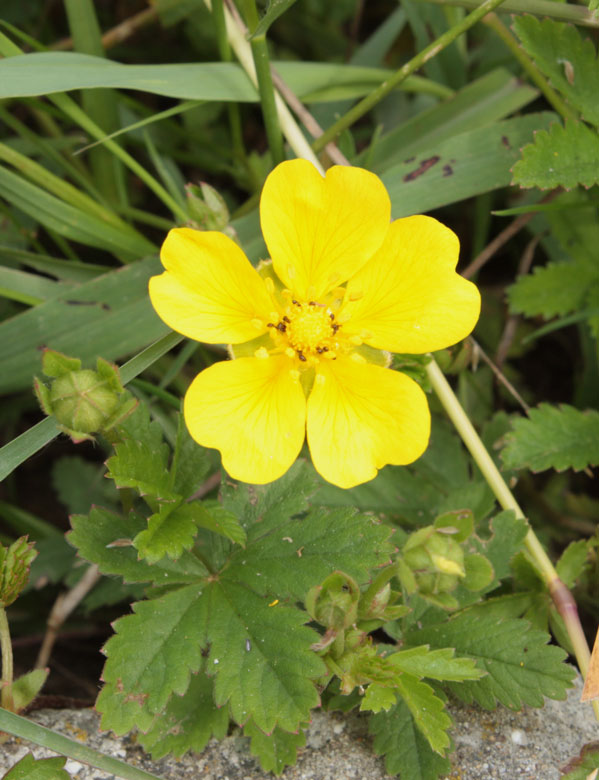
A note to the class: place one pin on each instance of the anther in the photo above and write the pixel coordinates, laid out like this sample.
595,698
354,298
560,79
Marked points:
270,324
296,303
282,327
302,357
286,318
335,327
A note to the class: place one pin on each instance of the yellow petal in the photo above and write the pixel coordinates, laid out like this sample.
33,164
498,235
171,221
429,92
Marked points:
320,231
209,291
254,411
361,417
413,300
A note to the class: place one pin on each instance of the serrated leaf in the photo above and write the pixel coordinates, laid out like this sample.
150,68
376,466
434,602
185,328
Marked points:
301,552
584,765
573,562
262,658
274,10
170,531
135,465
563,156
568,60
259,507
191,463
479,572
406,750
553,437
29,768
187,722
27,687
552,290
522,668
508,533
378,697
435,664
274,751
217,519
15,562
106,538
152,655
427,710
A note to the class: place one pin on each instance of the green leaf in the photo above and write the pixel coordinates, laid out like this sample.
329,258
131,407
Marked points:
553,437
69,221
573,562
508,533
135,465
300,553
43,73
274,10
191,463
460,167
522,668
584,766
109,316
188,721
261,657
552,290
260,507
15,562
274,751
170,531
427,710
407,752
486,100
153,654
378,697
216,518
29,768
568,61
106,538
563,156
27,687
435,664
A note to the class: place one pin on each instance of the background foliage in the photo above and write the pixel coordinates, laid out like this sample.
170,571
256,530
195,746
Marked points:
113,115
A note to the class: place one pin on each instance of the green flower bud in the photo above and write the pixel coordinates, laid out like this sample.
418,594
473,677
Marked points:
82,401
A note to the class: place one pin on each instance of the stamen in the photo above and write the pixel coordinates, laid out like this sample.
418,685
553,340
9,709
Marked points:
290,352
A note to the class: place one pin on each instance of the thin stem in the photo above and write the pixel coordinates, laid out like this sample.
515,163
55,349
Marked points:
371,100
534,74
265,85
561,596
6,699
562,11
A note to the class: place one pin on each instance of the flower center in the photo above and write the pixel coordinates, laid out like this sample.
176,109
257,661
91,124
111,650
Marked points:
309,329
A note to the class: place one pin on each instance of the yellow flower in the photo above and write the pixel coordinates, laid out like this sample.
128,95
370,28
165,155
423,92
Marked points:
307,330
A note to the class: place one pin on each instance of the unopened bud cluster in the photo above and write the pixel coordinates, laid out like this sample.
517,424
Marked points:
83,401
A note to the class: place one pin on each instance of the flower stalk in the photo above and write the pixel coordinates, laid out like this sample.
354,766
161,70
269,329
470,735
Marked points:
562,598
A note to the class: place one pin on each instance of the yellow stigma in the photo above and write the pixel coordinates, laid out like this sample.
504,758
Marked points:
309,327
307,331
